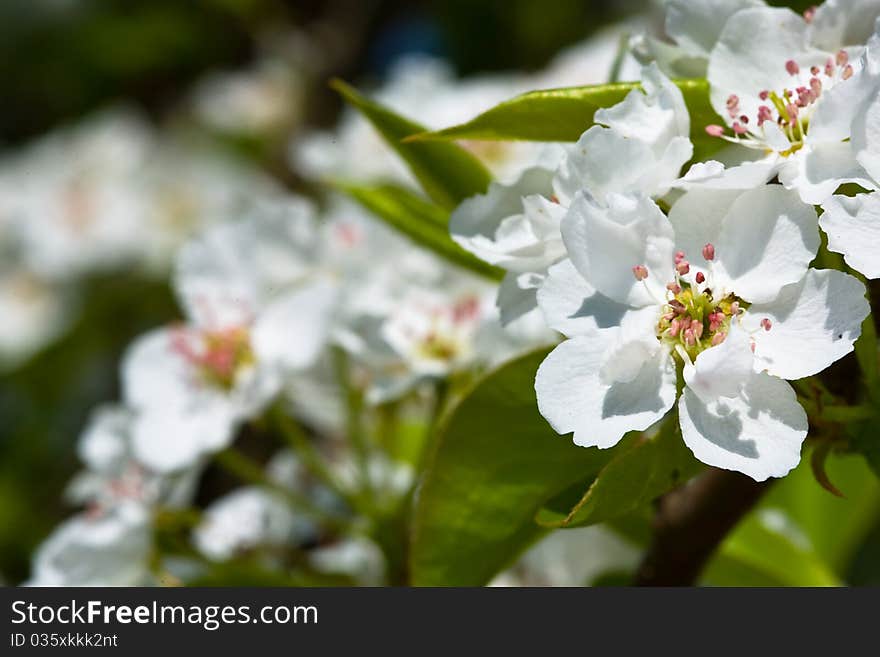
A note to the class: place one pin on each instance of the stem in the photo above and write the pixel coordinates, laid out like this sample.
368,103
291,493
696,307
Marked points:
295,437
354,405
248,470
691,522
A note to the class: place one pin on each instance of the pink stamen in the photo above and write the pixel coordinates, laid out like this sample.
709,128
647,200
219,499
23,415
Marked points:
792,67
814,70
697,328
734,308
766,324
679,256
739,128
675,328
640,272
829,67
675,288
842,57
764,95
816,86
689,337
847,72
683,267
714,130
709,251
718,338
809,14
700,278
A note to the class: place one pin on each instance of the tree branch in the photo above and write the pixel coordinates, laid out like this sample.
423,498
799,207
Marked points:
691,522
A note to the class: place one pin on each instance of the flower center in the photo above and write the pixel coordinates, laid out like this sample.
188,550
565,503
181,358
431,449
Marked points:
447,333
789,109
217,356
693,317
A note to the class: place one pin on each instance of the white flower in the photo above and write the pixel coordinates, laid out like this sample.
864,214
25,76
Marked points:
720,288
107,549
789,100
639,145
246,519
258,311
358,558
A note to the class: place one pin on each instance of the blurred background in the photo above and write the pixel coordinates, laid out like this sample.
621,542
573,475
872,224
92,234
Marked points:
204,99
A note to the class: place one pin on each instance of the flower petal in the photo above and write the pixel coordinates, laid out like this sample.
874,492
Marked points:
606,241
813,323
175,440
696,24
573,307
840,23
852,225
758,433
721,371
818,169
504,229
572,397
767,241
293,329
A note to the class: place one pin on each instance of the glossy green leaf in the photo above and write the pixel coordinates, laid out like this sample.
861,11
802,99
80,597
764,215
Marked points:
420,220
495,463
641,470
564,114
448,173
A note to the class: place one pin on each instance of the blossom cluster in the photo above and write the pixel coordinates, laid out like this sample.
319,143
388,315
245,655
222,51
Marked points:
671,287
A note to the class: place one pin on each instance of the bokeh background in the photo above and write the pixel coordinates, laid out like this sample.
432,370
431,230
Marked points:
61,60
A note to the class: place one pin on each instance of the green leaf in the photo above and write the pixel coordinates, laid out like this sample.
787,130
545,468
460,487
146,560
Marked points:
641,470
496,462
448,173
420,220
764,550
564,114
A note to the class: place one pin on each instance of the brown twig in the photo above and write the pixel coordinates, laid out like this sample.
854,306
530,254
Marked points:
691,522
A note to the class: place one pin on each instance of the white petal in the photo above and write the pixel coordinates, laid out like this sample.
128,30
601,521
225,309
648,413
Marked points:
154,375
813,323
839,23
573,307
696,24
653,116
714,175
104,444
767,241
572,397
852,225
498,227
758,433
293,329
606,242
603,162
169,441
818,169
866,138
697,218
517,296
751,53
723,370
